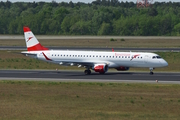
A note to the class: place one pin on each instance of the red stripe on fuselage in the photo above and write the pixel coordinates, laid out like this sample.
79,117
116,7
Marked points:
46,57
37,47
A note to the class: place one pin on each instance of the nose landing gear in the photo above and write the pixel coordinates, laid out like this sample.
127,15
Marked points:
151,71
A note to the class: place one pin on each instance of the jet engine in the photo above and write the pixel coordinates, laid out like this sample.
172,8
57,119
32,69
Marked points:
122,68
101,68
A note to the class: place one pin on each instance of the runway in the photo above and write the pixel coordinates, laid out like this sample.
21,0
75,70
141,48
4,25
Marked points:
97,49
47,75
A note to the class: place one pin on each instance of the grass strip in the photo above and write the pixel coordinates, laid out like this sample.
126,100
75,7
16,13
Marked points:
109,43
78,100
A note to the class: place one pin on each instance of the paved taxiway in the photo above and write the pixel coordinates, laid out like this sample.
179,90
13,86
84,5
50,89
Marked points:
46,75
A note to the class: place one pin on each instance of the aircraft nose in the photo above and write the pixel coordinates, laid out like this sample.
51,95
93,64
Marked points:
164,63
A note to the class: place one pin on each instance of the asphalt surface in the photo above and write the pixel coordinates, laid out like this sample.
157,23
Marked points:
97,49
45,75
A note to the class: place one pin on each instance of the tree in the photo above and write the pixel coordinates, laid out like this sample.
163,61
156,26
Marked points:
176,29
60,13
71,4
80,28
105,29
153,12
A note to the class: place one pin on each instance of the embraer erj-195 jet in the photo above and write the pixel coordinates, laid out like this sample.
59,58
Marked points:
91,60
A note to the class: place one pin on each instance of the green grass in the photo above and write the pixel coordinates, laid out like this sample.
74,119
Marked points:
117,43
97,101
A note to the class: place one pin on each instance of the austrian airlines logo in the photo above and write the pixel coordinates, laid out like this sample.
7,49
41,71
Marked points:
134,57
29,39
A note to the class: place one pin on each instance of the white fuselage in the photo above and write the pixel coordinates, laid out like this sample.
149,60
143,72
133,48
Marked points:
97,61
112,59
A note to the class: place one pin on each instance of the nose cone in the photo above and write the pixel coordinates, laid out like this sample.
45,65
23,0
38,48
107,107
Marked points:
164,63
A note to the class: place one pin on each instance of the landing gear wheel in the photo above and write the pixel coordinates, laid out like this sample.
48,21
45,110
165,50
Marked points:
87,72
151,73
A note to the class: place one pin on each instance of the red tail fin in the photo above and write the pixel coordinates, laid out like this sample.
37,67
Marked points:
31,41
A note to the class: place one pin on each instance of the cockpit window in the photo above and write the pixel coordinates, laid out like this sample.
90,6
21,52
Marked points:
156,57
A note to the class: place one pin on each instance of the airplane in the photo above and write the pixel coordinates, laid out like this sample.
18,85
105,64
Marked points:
92,60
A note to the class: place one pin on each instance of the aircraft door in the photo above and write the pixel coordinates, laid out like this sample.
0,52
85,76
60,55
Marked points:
146,58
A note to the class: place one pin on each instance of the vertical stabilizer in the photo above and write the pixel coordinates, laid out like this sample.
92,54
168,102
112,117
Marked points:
31,41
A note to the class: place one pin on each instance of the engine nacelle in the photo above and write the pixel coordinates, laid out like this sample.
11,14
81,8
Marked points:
101,68
122,68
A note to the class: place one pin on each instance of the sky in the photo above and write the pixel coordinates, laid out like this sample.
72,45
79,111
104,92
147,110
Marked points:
84,1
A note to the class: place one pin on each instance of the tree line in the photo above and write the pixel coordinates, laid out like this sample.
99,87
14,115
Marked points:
101,17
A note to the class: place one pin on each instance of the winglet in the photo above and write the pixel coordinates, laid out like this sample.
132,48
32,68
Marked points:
112,50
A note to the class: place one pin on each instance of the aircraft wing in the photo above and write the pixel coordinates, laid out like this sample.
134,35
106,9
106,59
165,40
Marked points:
81,63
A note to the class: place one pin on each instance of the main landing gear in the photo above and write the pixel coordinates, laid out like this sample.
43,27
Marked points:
151,71
87,72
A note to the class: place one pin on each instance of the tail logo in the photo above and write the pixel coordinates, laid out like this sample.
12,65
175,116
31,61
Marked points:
29,39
